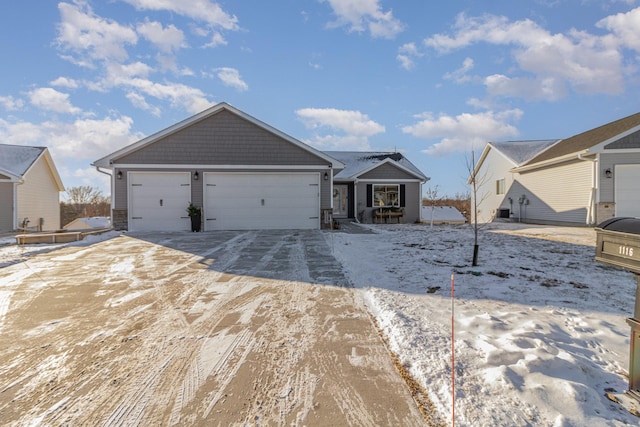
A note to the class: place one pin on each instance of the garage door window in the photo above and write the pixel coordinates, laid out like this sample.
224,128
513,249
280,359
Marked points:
386,195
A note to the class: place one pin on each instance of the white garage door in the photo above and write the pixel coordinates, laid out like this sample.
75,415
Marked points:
627,193
158,201
253,201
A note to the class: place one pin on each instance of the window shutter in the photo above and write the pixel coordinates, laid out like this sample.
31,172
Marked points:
369,195
402,202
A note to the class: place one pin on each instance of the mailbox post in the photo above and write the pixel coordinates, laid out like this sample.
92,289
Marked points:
618,243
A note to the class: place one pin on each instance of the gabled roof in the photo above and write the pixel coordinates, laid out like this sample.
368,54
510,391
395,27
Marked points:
586,140
521,151
16,160
360,162
516,152
107,161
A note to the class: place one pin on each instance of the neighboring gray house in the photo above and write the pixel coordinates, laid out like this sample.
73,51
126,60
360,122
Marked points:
29,189
373,179
243,173
581,180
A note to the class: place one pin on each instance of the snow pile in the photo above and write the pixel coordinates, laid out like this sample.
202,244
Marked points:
540,331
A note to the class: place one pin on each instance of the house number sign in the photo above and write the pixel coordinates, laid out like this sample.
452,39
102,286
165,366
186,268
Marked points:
625,251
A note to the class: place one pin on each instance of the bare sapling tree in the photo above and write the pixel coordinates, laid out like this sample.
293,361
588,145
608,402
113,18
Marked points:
433,197
83,201
477,182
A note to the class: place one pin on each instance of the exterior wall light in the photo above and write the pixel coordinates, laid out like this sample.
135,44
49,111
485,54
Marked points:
608,173
326,176
119,175
196,176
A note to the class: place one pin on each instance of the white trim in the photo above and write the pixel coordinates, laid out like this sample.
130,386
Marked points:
618,151
578,155
421,177
157,166
392,181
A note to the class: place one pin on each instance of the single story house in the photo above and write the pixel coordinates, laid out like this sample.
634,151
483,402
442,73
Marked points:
89,223
30,189
243,174
581,180
371,180
442,215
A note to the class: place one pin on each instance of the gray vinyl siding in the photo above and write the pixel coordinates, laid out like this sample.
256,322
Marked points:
6,206
386,171
629,141
559,194
609,161
222,139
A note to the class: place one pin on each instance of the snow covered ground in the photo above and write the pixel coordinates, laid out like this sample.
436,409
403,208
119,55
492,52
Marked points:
540,331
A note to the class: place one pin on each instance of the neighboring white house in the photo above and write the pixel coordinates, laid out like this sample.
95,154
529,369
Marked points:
29,189
581,180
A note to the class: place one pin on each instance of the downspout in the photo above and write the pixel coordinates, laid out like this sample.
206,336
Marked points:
110,184
15,203
590,214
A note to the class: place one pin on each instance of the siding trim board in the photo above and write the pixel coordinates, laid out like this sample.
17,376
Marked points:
212,166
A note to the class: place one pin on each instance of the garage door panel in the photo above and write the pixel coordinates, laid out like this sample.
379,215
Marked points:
627,196
158,201
261,201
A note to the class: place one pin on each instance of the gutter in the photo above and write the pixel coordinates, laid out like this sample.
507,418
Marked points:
592,201
553,161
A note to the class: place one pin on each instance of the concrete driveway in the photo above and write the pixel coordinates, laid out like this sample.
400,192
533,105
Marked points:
225,328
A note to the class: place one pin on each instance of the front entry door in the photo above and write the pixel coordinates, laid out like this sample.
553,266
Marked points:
340,201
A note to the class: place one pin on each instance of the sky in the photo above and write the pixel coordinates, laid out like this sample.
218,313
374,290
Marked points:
433,80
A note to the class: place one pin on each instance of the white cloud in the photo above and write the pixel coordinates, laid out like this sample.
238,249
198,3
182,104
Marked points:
460,75
189,98
169,39
231,77
217,39
199,10
81,139
91,37
49,99
139,101
65,82
584,62
626,27
10,103
465,131
365,15
550,88
354,128
406,54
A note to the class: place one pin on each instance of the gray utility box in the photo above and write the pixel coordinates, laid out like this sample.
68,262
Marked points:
618,244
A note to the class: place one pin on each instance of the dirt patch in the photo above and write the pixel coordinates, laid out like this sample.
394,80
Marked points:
128,332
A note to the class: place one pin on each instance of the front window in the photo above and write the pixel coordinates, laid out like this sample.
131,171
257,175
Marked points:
386,195
500,186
